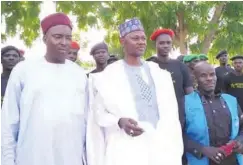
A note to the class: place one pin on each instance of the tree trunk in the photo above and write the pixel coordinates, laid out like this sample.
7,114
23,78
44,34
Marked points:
209,36
181,33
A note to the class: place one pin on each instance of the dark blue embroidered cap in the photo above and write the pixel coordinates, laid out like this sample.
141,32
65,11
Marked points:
129,26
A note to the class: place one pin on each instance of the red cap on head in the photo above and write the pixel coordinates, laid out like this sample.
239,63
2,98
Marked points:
158,32
53,20
21,52
75,45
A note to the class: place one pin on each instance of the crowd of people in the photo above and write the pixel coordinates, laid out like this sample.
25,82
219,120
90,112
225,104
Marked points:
126,111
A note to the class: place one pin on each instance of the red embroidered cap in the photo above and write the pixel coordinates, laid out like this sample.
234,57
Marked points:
55,19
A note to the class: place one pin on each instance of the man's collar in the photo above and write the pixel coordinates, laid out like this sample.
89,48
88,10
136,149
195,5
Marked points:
163,62
205,97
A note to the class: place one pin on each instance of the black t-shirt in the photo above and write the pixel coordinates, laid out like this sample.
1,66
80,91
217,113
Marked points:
221,72
179,73
181,80
93,71
4,82
233,85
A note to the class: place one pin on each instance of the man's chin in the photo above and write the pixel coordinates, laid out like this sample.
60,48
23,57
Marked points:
163,54
60,59
137,54
140,53
210,89
239,70
10,68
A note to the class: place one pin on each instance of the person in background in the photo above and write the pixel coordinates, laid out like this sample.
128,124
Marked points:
179,71
180,58
10,56
213,131
22,53
101,55
73,52
152,58
112,58
233,82
44,111
223,70
202,57
134,109
191,60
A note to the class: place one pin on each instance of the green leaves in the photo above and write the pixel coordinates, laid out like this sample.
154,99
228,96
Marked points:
193,22
22,17
85,12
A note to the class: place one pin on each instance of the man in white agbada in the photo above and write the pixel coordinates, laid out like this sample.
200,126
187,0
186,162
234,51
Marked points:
134,117
43,113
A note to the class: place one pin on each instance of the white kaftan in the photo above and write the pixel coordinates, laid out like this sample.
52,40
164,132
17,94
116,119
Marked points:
109,145
44,114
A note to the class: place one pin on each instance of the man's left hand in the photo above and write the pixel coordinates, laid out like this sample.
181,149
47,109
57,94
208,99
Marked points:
238,147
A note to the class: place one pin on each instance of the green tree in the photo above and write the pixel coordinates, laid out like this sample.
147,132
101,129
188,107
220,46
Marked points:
22,17
212,26
203,22
76,36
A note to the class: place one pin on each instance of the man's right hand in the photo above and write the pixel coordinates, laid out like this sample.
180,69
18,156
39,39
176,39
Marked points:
130,126
213,153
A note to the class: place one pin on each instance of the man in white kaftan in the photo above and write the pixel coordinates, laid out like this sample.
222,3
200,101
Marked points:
44,109
134,117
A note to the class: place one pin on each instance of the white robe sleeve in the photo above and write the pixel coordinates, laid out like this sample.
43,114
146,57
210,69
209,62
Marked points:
173,140
10,117
86,109
102,116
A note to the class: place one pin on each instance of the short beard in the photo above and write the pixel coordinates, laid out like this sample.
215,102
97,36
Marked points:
239,70
163,55
223,63
206,91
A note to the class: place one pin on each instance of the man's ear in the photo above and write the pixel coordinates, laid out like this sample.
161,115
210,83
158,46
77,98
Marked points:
122,41
45,38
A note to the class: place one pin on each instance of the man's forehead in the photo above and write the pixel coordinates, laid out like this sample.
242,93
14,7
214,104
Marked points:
136,33
11,52
164,37
206,69
60,29
100,50
223,55
203,66
238,60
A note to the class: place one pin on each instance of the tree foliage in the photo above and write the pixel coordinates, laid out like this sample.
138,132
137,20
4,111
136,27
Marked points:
22,17
199,26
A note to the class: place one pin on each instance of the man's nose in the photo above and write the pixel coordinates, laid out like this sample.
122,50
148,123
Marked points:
100,54
209,78
142,41
164,45
64,41
11,57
